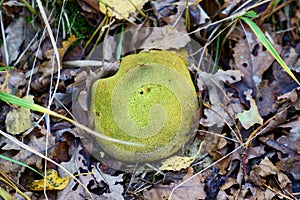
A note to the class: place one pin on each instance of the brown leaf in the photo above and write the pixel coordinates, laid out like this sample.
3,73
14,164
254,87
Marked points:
294,133
15,37
190,189
265,99
265,168
165,38
255,152
282,144
221,108
26,157
251,57
291,165
283,83
215,146
46,67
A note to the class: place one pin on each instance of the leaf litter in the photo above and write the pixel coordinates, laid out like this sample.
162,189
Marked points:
249,89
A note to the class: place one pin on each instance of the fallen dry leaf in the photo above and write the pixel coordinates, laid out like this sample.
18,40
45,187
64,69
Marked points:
294,133
265,99
104,185
15,37
250,57
165,38
250,117
282,83
18,119
177,163
219,101
46,67
190,189
121,9
113,182
260,172
282,144
291,165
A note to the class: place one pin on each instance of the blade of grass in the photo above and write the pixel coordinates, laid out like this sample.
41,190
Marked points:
20,163
119,50
5,195
27,104
217,54
187,15
6,179
5,67
260,35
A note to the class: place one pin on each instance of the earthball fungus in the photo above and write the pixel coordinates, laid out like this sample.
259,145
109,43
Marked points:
151,100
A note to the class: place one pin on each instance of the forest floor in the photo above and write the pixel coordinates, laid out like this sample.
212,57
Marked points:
246,144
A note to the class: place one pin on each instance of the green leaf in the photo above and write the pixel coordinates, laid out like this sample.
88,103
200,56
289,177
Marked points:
251,14
260,35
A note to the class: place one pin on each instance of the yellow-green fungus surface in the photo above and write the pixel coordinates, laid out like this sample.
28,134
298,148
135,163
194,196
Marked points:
151,100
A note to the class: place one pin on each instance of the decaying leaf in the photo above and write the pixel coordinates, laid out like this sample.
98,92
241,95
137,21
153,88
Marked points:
251,57
46,67
221,109
266,168
190,189
121,9
250,117
18,120
177,163
279,146
265,99
106,185
215,146
165,38
15,37
114,183
294,133
291,165
53,182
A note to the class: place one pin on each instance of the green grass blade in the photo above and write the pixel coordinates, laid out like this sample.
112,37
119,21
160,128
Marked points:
119,49
5,67
20,163
27,104
259,34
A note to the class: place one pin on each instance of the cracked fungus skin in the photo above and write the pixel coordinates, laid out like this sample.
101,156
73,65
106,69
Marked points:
151,100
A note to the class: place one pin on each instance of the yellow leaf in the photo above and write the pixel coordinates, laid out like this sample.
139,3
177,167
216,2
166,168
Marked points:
177,163
121,9
53,182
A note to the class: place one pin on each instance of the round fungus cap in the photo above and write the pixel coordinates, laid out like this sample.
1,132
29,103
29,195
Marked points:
151,100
